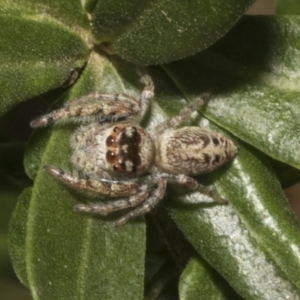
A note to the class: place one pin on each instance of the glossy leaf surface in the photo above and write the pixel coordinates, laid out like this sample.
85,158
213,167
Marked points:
253,74
234,239
200,281
238,241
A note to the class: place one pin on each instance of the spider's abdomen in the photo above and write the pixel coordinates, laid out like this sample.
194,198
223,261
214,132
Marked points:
119,151
192,151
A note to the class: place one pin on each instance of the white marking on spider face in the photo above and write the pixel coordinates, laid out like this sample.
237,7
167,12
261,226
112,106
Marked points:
129,132
125,148
129,165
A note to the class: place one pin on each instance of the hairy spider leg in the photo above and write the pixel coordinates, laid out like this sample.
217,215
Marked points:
106,208
194,185
104,187
92,107
101,107
147,93
156,196
182,116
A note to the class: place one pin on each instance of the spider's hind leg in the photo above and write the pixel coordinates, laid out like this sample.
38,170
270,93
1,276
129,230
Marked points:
196,186
182,116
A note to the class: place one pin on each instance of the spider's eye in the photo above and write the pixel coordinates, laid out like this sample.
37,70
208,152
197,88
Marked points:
110,141
110,156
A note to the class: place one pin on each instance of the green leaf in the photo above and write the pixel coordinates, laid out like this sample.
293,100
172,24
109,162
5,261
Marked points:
11,162
67,12
36,54
200,281
153,32
253,75
69,255
239,240
8,198
288,7
257,198
245,241
17,236
286,174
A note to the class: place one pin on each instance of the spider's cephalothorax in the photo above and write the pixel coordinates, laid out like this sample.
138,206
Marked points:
122,160
105,152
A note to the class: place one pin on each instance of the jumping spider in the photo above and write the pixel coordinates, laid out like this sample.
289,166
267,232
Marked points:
123,160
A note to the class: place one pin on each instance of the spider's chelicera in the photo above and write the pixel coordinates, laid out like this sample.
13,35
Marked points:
122,160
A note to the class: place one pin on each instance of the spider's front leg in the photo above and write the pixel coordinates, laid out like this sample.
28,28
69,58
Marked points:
92,107
156,196
112,206
105,187
140,203
101,107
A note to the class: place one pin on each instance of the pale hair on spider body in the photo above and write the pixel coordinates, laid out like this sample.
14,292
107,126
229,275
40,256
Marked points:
125,161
